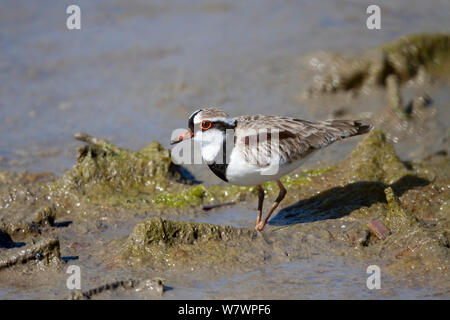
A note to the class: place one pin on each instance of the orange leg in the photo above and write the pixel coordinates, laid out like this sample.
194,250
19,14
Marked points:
261,224
260,202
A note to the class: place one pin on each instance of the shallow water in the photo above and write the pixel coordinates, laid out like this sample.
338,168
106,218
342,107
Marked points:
137,69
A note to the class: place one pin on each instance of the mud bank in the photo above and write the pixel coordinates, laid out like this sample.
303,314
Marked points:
418,57
330,211
171,243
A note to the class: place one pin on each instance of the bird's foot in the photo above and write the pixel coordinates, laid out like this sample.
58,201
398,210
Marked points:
260,226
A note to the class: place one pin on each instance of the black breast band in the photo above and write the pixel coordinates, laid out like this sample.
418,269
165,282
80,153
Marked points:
219,170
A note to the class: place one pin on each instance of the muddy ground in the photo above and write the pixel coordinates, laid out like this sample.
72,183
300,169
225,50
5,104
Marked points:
141,227
371,208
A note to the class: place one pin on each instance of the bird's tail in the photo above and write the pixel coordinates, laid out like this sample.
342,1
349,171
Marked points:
334,130
348,128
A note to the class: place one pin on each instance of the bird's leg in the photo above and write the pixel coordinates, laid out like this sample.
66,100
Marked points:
281,195
260,202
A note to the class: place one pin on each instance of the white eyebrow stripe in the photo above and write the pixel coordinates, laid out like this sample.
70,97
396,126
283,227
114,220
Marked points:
194,114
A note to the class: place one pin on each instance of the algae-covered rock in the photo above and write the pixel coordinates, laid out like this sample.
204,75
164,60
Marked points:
407,54
175,242
109,174
101,165
158,230
397,217
414,246
374,159
406,57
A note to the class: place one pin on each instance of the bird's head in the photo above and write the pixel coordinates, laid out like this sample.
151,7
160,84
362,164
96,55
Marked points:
209,128
206,125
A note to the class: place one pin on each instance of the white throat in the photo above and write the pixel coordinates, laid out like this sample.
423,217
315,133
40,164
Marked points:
211,142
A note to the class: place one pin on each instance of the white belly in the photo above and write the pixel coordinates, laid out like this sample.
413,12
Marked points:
241,173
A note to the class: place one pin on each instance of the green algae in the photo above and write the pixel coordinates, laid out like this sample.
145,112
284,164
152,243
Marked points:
397,217
199,194
163,241
109,175
374,159
103,167
191,197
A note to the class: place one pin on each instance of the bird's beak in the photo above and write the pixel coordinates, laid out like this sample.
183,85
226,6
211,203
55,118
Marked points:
184,136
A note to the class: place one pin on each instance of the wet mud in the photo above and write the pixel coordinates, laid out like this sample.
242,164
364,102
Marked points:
141,227
330,211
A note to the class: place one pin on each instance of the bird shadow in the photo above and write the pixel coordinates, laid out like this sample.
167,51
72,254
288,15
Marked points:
340,201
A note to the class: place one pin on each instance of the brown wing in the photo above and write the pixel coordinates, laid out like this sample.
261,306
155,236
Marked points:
260,137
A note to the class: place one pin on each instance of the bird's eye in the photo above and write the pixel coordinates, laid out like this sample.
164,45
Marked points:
205,125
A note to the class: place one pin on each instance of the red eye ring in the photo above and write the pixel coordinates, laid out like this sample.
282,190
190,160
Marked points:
205,125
